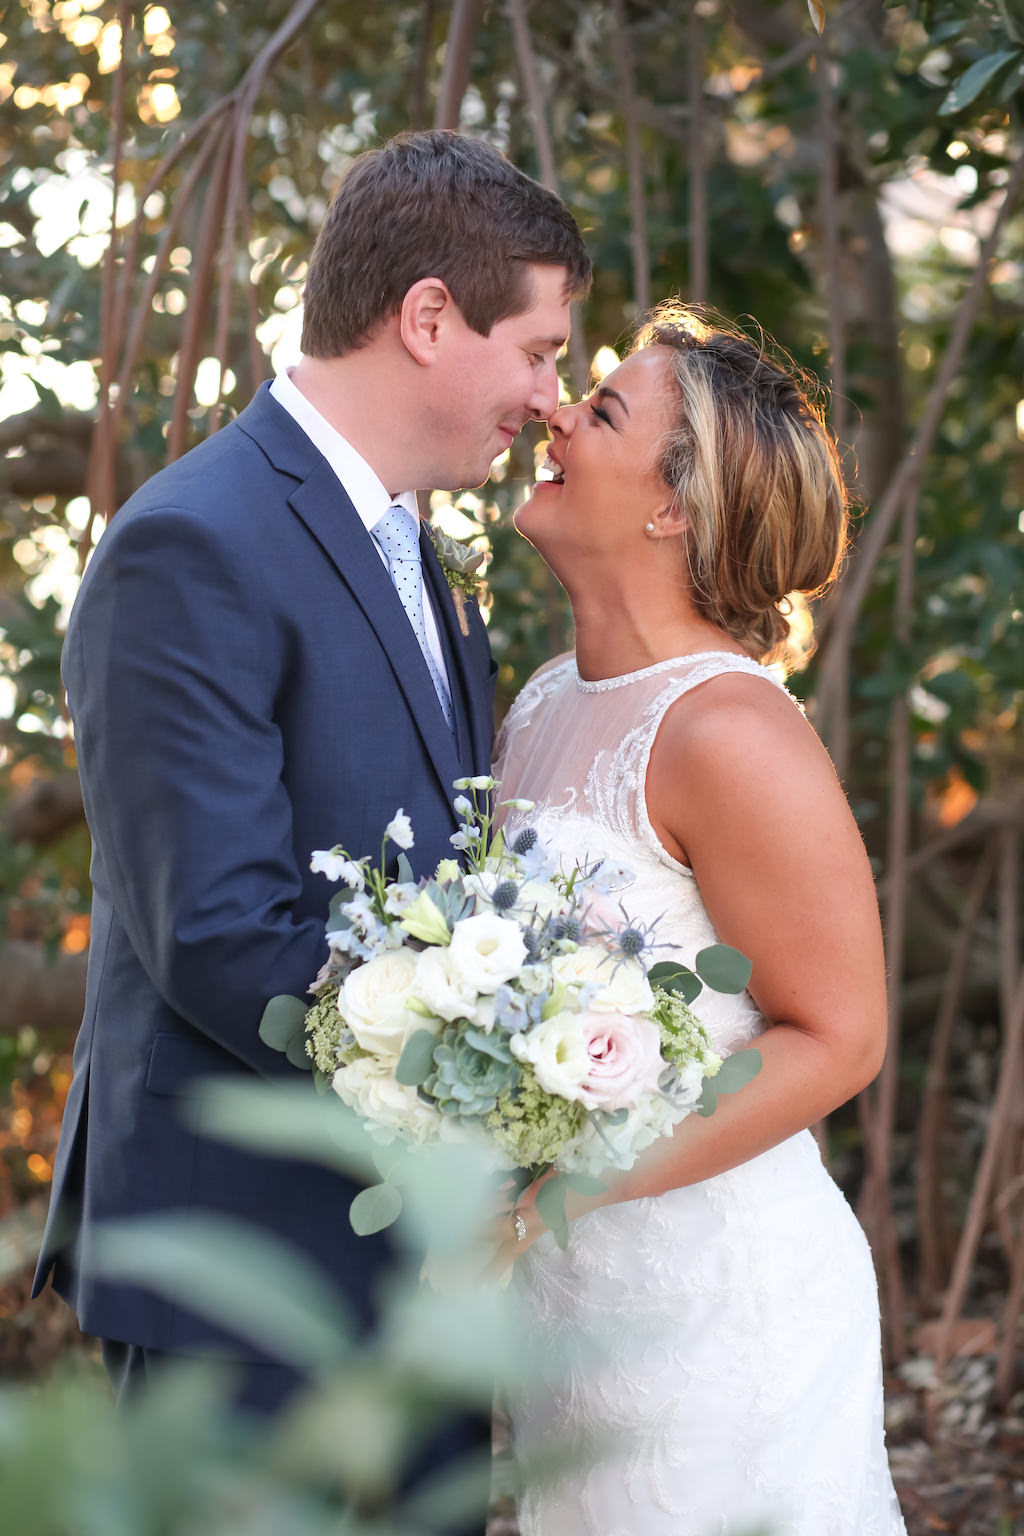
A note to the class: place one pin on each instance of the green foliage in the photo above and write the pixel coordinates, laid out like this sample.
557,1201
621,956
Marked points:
735,1073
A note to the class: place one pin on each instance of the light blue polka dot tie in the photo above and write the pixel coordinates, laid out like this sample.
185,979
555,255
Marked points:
398,536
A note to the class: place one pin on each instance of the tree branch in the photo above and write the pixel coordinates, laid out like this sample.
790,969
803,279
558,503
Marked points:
44,810
39,992
457,55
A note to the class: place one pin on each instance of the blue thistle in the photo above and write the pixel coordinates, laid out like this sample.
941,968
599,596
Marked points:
526,840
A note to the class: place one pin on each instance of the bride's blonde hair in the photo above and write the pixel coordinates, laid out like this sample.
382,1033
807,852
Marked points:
756,475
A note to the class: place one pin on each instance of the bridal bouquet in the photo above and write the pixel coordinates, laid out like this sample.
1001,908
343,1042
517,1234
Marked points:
506,1003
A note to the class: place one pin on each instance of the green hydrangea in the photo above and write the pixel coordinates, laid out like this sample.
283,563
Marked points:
683,1036
531,1125
329,1042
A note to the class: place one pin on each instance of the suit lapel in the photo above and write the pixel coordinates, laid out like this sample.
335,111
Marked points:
320,501
476,725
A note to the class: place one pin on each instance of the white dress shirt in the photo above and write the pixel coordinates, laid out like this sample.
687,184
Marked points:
362,486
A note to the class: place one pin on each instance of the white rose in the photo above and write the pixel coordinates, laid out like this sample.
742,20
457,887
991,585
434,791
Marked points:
368,1086
557,1051
486,951
374,1002
441,987
622,985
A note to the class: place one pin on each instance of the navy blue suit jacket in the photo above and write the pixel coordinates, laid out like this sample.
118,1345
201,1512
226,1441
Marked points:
245,687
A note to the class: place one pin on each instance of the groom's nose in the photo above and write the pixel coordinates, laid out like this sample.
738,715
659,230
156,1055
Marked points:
544,399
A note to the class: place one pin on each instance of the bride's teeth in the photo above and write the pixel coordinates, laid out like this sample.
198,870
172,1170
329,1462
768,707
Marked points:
550,471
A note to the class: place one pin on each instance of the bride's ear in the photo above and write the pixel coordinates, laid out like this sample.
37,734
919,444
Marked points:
670,522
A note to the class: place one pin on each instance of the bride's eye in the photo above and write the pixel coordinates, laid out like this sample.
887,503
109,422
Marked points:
600,412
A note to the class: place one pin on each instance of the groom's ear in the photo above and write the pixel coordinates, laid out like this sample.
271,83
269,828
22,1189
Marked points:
426,308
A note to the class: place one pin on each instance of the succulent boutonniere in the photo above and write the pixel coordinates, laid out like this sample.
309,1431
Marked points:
460,564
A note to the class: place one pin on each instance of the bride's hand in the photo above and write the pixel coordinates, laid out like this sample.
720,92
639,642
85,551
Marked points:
517,1226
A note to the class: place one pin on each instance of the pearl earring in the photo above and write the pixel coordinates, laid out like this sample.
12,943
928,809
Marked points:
648,528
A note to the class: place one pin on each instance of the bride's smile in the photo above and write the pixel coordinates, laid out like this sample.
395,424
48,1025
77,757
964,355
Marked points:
601,480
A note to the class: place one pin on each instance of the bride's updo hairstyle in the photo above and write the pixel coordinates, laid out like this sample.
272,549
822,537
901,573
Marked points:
756,476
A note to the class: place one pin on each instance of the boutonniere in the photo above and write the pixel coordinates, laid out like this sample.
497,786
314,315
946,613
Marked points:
460,564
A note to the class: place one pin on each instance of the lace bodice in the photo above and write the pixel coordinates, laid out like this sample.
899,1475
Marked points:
712,1353
580,750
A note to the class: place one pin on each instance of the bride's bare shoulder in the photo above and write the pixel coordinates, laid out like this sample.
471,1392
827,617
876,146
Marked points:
736,739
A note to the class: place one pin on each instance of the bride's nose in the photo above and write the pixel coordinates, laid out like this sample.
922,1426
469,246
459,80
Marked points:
560,420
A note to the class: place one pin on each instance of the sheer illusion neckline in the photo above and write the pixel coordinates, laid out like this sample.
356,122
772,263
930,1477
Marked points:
605,684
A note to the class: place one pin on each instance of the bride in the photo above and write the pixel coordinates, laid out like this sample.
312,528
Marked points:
719,1299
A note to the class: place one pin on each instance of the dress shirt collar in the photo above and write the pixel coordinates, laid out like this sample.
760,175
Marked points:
364,489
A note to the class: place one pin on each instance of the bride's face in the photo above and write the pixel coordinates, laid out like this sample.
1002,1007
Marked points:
604,454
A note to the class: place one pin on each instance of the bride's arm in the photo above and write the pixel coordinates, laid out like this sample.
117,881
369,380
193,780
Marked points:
740,788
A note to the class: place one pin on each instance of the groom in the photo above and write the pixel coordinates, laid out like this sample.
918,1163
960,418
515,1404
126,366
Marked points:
264,659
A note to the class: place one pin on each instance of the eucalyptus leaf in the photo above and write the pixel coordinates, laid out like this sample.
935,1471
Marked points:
281,1119
708,1102
336,919
297,1053
682,983
723,968
417,1059
974,80
737,1071
284,1017
235,1274
550,1205
585,1184
406,875
670,976
374,1209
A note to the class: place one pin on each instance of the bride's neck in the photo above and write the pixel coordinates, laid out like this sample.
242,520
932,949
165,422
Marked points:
615,636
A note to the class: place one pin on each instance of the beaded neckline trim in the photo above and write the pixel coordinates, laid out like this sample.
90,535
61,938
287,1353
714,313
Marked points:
605,684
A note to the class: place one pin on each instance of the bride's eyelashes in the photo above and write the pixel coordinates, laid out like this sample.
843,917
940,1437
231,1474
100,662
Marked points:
600,412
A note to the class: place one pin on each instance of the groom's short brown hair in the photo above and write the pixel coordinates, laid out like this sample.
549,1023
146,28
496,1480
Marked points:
433,204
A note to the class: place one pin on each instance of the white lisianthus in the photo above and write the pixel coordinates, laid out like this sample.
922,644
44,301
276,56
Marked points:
399,830
482,885
448,869
542,897
487,950
333,863
484,1012
374,1002
690,1078
557,1051
441,987
621,986
369,1087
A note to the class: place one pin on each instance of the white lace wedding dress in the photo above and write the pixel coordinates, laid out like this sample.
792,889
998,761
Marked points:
726,1371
